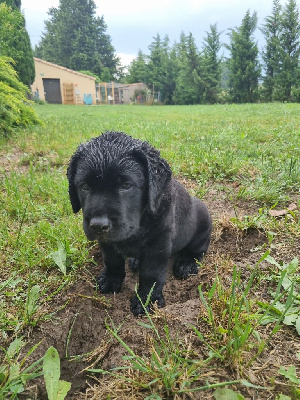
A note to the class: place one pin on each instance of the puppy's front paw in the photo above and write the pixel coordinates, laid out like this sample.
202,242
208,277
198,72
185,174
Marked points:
183,268
137,308
108,284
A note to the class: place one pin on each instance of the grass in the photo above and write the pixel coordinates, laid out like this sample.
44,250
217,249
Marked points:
249,153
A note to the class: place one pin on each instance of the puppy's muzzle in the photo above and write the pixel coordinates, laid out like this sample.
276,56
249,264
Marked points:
100,225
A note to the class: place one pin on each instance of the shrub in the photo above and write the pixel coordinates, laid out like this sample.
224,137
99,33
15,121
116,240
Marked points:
15,108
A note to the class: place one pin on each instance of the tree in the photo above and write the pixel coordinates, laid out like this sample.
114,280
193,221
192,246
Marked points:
211,65
289,75
159,66
244,68
98,80
75,38
272,54
14,40
189,85
12,3
138,69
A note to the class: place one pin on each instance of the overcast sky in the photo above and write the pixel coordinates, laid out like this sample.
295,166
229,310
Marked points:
133,23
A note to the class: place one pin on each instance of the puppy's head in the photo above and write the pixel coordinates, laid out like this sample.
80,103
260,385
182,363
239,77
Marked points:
115,179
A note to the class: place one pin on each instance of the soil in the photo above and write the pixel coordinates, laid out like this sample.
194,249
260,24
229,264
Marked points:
79,333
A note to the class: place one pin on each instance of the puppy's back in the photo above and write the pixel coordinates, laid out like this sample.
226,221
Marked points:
191,219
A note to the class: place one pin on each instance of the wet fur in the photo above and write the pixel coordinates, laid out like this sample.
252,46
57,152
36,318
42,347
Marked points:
135,208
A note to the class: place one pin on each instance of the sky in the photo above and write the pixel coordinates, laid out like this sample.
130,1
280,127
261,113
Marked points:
132,24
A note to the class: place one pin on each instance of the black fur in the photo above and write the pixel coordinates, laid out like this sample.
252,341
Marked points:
135,208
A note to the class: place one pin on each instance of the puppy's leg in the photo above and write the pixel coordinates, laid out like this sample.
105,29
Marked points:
152,274
185,266
111,279
134,264
186,263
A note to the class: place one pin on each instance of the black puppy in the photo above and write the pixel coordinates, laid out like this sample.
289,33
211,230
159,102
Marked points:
134,208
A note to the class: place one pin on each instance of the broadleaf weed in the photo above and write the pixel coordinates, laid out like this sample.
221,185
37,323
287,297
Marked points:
13,375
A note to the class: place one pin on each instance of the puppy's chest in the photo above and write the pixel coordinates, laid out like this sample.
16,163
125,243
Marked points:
129,249
138,246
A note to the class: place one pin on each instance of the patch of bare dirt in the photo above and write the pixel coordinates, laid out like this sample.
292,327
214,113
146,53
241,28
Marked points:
79,332
9,161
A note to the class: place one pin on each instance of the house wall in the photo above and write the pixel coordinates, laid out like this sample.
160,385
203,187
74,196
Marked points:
84,84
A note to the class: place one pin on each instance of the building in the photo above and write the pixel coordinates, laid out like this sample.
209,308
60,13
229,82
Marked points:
59,85
120,93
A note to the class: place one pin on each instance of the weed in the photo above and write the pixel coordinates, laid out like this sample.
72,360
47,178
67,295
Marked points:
247,222
290,374
56,388
31,304
60,255
288,279
13,375
234,319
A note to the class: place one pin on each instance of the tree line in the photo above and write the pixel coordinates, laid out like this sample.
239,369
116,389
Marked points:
76,38
184,74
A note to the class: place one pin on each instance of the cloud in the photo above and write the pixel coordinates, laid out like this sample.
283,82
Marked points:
126,58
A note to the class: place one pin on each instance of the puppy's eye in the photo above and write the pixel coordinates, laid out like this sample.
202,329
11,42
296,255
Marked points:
125,186
85,187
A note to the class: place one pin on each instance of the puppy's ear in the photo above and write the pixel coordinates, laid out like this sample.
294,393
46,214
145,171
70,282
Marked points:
71,172
158,175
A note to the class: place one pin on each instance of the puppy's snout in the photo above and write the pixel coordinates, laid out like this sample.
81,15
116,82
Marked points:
100,225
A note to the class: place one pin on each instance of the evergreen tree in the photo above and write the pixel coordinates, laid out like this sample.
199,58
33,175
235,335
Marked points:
171,75
244,68
138,69
189,85
180,94
272,54
159,68
75,38
211,65
14,40
289,76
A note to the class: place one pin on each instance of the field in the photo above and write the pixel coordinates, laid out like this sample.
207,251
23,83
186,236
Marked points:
230,332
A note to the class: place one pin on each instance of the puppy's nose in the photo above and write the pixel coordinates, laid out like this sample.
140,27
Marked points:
100,224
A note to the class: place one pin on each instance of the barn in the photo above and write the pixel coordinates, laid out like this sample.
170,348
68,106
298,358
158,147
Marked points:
59,85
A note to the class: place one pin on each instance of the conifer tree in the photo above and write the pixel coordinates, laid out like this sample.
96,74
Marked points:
158,65
272,53
211,65
156,69
75,38
189,84
137,71
244,68
289,75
